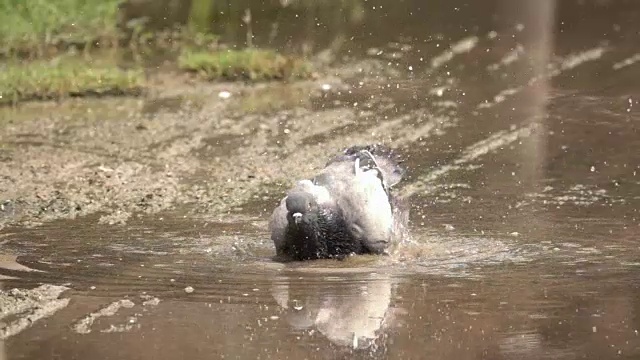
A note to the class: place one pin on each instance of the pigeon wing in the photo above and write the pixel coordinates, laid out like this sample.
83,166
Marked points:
363,202
384,158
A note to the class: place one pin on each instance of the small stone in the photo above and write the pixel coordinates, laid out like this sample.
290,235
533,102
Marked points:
224,94
188,289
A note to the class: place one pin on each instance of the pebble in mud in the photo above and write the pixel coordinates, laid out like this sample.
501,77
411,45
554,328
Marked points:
149,300
83,326
189,289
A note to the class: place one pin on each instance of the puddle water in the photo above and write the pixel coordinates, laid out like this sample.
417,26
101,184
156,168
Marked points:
520,127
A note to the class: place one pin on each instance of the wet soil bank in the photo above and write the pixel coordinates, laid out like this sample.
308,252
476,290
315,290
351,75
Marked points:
119,157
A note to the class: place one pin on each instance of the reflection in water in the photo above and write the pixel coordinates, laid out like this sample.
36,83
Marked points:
536,40
537,43
348,312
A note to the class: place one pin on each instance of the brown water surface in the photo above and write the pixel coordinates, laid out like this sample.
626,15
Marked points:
520,124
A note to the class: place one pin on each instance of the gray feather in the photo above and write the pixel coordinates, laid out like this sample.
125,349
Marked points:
386,159
353,209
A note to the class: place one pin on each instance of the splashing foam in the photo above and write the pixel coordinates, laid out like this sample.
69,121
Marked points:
627,62
568,63
511,57
426,125
454,255
574,60
424,184
462,46
500,97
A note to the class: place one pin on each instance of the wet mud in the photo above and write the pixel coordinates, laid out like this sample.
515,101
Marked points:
137,228
28,306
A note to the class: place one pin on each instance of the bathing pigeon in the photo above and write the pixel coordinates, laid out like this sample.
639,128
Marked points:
348,208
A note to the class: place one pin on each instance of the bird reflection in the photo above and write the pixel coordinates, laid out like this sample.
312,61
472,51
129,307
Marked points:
350,312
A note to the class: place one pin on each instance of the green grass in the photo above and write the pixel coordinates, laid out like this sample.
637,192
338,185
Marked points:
34,25
41,29
65,77
249,64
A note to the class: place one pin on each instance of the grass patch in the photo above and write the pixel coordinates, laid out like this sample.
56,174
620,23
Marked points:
65,77
35,25
249,64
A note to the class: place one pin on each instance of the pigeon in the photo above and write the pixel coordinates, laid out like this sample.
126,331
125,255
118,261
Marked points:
348,208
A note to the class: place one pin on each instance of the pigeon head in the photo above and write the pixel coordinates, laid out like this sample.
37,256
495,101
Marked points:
300,203
316,231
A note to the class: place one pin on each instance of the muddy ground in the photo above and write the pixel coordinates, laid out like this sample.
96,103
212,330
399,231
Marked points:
120,157
137,227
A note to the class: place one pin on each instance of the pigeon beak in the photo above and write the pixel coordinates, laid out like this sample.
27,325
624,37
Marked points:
297,217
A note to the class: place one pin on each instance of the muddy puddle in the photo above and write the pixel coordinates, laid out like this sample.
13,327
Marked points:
137,228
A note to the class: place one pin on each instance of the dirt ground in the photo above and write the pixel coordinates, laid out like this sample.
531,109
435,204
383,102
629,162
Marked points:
185,145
